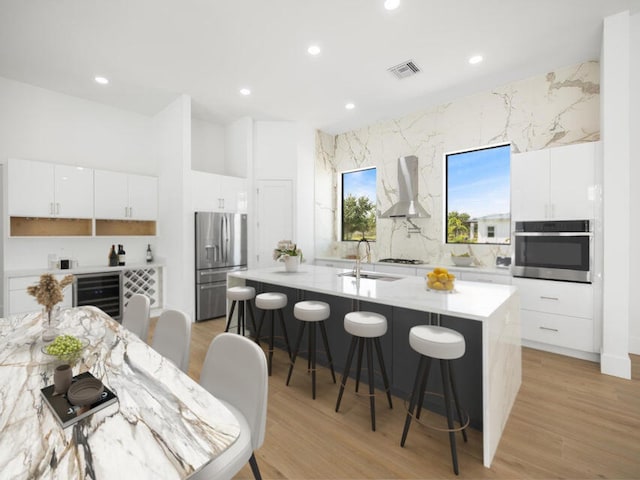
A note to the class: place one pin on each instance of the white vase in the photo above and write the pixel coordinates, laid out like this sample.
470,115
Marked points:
291,263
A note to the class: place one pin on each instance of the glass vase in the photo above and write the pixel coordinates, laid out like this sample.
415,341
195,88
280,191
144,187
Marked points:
50,323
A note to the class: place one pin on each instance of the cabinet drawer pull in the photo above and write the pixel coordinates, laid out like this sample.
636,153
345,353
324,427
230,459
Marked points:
549,329
548,298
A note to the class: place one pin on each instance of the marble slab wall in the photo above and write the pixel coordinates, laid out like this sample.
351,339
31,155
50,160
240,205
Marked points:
559,108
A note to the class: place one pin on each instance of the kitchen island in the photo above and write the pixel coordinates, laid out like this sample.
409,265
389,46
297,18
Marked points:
486,314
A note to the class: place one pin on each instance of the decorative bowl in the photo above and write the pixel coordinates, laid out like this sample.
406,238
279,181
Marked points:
461,261
85,392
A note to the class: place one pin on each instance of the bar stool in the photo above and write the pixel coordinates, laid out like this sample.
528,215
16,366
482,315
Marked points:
444,344
242,296
313,312
366,329
275,302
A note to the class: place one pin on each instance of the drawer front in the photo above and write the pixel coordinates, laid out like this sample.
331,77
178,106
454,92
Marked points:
486,278
568,332
395,269
21,283
21,302
561,298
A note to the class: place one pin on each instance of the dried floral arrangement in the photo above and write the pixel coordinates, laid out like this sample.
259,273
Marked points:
48,291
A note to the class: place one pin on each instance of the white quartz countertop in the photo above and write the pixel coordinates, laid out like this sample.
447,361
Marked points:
426,266
473,300
27,272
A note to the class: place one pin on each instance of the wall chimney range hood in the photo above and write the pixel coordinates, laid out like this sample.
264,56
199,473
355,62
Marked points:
407,205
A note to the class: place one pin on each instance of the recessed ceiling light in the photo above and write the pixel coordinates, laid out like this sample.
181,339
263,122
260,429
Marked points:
391,4
475,59
245,91
101,80
349,106
313,50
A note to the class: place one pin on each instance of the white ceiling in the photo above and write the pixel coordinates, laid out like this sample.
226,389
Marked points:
153,50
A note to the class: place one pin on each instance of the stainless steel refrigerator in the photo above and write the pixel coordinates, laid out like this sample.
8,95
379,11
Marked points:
221,247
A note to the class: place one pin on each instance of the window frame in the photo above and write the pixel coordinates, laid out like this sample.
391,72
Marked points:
445,188
341,199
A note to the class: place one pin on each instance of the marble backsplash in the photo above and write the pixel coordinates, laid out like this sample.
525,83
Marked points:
558,108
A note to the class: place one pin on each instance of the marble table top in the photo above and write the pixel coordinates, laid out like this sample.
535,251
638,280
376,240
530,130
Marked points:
164,424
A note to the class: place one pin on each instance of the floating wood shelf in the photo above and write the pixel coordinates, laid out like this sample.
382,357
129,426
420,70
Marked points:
50,227
125,227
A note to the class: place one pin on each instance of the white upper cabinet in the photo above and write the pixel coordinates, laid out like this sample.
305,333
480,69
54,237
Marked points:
40,189
218,193
122,196
557,183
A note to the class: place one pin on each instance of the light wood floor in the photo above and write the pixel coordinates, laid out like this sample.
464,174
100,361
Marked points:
569,421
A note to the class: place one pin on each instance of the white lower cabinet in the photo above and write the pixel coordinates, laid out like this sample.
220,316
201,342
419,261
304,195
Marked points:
335,263
485,278
557,313
393,269
21,302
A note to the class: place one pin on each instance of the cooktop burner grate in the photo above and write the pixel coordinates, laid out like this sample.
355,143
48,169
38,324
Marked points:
401,260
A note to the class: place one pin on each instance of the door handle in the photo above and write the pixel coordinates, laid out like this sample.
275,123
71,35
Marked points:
209,287
548,298
549,329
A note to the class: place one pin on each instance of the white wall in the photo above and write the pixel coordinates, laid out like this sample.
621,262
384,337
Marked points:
239,148
634,174
39,124
172,148
305,186
207,146
615,115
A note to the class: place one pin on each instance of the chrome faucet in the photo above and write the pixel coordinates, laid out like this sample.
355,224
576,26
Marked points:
359,257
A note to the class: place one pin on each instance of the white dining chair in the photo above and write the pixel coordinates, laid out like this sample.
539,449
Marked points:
172,337
136,316
235,372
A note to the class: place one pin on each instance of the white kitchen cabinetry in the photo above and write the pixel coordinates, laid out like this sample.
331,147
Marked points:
21,302
40,189
558,314
390,268
218,193
483,277
556,183
123,196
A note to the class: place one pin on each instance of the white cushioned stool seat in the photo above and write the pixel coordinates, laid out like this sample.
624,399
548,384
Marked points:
241,293
311,311
365,324
271,301
437,342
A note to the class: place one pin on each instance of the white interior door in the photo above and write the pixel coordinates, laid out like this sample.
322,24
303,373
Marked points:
275,218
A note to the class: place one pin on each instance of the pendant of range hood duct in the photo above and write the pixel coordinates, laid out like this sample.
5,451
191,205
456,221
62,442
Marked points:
407,205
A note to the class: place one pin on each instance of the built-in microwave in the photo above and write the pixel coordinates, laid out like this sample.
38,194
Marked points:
554,250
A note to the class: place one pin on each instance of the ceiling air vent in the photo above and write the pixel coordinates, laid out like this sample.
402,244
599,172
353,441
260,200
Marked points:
404,69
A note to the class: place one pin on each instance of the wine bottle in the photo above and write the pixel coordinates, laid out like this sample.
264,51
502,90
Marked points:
149,254
121,255
113,257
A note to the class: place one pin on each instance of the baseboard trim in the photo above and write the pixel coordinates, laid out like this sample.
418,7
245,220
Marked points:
634,345
615,365
568,352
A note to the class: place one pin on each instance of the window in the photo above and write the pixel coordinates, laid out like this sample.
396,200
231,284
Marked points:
477,195
359,205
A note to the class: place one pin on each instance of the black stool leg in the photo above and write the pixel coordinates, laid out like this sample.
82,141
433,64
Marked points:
323,330
414,398
233,306
345,375
423,388
444,370
253,318
273,324
385,379
284,331
241,312
262,318
372,397
312,356
296,349
359,368
254,467
455,399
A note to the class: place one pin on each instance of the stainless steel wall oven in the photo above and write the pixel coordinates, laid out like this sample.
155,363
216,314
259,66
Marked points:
554,250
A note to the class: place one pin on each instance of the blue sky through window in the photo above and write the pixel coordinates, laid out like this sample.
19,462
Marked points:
478,181
360,183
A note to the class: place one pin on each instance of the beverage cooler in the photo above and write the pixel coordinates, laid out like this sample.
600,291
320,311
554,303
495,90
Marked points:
102,290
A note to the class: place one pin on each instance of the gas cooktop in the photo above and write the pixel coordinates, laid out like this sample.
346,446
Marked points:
401,260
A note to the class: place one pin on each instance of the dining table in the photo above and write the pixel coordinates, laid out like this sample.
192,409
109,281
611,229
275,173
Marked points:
164,425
